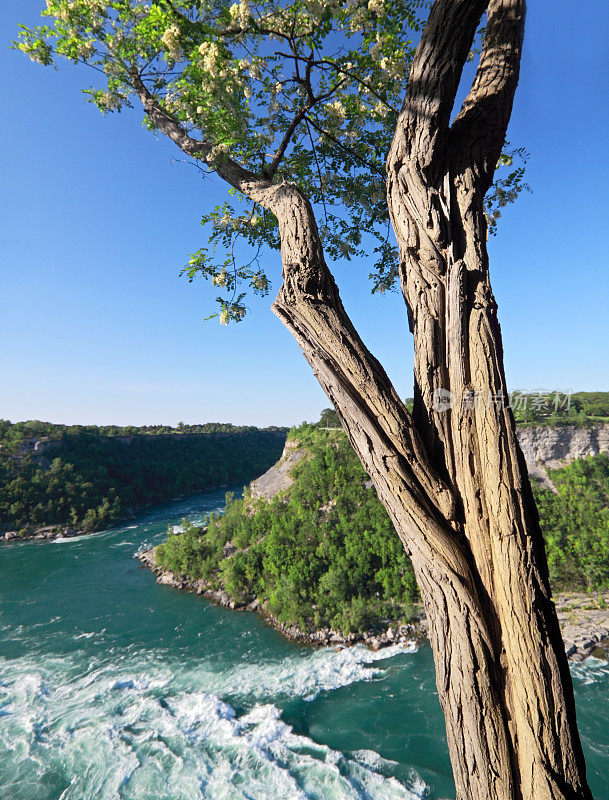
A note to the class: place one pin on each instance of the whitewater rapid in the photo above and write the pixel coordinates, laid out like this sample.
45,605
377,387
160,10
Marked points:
132,727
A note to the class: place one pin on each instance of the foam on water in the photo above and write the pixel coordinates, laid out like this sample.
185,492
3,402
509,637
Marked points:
64,539
592,670
138,729
89,635
322,670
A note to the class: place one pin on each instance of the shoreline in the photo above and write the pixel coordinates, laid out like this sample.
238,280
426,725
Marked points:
374,639
45,533
60,530
583,618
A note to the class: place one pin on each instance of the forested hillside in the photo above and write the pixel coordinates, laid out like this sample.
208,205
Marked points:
325,554
88,477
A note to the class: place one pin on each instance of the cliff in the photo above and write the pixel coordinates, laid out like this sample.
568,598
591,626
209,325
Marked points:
543,448
552,447
279,477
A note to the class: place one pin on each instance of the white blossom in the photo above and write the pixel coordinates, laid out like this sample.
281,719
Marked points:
108,101
240,13
210,53
171,41
217,154
381,109
221,279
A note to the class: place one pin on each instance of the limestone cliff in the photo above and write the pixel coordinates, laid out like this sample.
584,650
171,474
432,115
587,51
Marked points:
543,447
278,478
549,448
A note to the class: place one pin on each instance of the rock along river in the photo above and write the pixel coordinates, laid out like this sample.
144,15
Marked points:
114,687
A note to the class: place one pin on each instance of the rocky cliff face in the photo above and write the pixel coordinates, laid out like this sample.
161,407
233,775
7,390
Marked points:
549,448
278,478
543,448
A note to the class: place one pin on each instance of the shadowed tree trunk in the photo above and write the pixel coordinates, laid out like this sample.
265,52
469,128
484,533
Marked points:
452,479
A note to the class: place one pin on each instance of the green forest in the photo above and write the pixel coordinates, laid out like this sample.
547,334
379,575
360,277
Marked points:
327,554
559,408
87,477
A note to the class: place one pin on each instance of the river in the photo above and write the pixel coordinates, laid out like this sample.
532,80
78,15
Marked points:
112,686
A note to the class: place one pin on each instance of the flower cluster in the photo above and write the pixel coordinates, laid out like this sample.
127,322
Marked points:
240,13
171,42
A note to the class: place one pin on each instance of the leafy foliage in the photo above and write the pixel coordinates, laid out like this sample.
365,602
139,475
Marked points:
576,524
559,408
325,555
506,188
86,478
306,91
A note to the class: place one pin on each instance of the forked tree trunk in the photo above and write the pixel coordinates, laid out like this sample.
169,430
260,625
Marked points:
473,537
501,669
452,480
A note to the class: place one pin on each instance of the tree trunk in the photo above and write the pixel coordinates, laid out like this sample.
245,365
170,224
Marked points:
435,195
498,519
501,669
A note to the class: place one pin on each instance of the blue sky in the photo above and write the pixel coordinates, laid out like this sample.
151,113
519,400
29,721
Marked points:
96,326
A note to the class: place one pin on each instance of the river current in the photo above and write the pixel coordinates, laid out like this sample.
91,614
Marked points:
112,686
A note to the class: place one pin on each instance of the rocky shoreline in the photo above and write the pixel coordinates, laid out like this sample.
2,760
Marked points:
47,533
583,618
375,639
61,531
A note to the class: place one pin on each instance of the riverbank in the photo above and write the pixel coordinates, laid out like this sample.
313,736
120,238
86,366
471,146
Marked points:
375,639
583,618
45,533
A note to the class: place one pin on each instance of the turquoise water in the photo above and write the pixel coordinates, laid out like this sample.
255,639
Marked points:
114,687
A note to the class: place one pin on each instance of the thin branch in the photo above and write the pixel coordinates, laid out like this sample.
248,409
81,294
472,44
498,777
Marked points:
321,187
299,117
179,14
343,147
272,169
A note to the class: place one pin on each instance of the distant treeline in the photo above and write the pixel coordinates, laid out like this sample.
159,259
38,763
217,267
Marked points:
34,428
560,408
88,477
534,408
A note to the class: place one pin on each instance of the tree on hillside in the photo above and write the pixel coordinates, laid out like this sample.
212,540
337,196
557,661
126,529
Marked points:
326,119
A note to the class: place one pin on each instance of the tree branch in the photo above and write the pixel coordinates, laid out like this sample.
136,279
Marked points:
314,124
249,183
479,130
270,171
434,79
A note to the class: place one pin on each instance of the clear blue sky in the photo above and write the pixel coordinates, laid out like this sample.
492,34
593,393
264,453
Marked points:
96,326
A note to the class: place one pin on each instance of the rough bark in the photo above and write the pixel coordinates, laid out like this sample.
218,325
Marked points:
453,481
437,177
